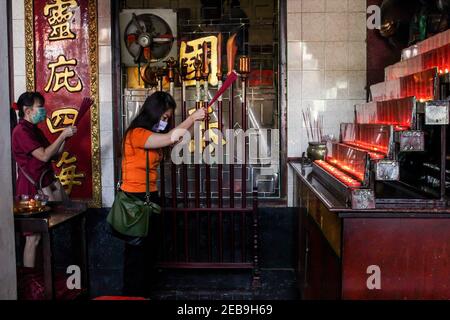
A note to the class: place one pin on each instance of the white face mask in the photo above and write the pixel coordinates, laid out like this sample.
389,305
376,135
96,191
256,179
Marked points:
161,126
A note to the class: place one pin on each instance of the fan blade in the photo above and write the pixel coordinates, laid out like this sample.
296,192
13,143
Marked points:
167,36
162,40
138,57
132,38
137,24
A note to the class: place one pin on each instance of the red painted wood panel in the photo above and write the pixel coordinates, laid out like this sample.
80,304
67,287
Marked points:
319,267
413,256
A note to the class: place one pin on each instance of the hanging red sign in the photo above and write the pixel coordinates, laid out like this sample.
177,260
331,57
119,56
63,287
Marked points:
62,65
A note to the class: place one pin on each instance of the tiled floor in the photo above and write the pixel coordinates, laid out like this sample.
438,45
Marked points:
201,285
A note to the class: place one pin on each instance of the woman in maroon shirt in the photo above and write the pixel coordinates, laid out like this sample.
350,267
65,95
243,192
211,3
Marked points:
33,154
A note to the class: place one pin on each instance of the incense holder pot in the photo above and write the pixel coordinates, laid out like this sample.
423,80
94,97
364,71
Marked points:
316,151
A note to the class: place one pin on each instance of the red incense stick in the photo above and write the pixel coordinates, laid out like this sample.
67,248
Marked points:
230,79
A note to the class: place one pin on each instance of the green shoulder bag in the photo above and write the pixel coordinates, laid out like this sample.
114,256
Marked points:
129,215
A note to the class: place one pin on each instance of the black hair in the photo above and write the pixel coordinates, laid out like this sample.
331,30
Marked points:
151,112
27,100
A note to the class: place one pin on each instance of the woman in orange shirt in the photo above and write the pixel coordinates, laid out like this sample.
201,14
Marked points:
150,130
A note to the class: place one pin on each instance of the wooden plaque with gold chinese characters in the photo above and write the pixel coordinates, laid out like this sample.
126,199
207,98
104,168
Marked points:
62,64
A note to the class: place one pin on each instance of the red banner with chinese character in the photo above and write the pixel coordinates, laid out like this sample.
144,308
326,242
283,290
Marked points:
65,71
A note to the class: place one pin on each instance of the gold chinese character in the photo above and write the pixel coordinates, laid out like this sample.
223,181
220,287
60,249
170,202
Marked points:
61,78
191,49
60,14
61,119
68,176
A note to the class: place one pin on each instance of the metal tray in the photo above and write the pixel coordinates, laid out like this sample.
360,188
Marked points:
26,212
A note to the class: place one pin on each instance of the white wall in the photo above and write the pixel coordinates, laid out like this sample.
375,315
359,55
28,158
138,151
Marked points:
105,82
105,94
8,290
18,25
326,66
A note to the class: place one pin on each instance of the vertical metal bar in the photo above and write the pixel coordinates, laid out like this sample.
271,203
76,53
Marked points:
197,192
208,185
220,235
171,62
231,120
197,170
161,178
186,237
443,160
220,166
197,144
209,238
173,170
205,76
161,166
232,237
244,126
231,174
208,172
174,236
243,235
174,175
174,199
219,177
256,271
184,179
244,168
184,167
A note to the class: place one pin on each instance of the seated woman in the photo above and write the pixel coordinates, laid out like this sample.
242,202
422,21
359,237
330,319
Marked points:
148,131
33,154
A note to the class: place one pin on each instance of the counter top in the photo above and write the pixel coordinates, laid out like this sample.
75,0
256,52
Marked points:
337,206
58,215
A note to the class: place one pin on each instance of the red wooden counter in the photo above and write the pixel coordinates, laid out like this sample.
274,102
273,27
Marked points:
384,253
73,213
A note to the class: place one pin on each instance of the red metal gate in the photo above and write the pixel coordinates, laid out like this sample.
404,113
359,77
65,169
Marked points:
198,230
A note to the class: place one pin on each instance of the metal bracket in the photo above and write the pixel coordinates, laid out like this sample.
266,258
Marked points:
387,170
412,141
437,113
363,199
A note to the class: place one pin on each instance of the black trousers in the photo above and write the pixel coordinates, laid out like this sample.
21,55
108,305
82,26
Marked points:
139,274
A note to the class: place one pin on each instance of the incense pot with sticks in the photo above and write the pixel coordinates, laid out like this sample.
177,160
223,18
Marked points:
317,149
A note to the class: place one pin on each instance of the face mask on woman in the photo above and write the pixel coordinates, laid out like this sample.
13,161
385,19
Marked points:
40,116
160,126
